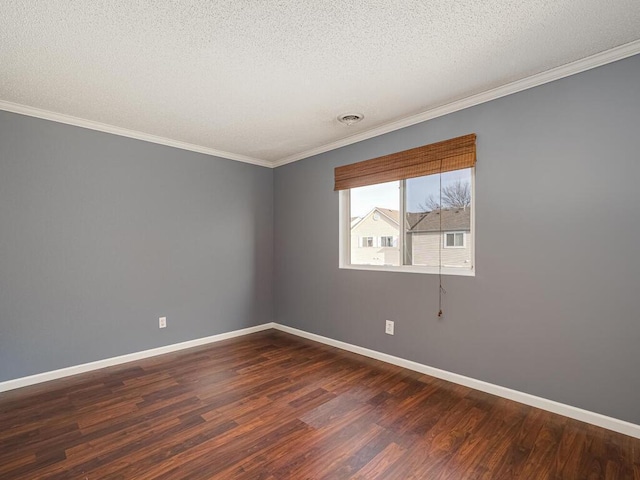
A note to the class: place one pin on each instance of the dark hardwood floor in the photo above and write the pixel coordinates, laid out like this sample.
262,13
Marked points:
273,406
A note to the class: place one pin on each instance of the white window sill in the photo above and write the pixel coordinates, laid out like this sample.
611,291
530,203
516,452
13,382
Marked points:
459,271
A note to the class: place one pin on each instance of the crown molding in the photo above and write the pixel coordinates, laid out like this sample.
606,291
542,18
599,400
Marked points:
593,61
124,132
618,53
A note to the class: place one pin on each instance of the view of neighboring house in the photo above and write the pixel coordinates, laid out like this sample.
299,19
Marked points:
426,232
374,238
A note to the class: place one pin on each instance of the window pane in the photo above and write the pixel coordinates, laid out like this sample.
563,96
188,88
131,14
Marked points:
374,214
431,214
450,240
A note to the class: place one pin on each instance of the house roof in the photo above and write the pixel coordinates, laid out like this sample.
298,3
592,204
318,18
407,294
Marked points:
452,219
392,214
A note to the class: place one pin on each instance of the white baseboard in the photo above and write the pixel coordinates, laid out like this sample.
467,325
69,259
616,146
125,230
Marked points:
109,362
586,416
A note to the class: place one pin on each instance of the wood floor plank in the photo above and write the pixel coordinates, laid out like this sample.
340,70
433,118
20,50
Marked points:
378,465
271,406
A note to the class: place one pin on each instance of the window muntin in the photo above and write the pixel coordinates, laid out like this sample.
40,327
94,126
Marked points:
421,241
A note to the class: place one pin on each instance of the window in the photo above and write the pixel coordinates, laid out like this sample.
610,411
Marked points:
454,240
421,224
366,242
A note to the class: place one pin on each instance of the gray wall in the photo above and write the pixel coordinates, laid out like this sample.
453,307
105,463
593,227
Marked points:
554,309
100,235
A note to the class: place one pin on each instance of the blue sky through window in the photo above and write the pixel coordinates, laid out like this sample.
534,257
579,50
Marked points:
385,195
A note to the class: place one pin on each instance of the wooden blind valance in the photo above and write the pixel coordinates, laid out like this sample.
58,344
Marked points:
454,154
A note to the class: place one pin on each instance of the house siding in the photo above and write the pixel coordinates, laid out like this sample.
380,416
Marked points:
425,250
376,255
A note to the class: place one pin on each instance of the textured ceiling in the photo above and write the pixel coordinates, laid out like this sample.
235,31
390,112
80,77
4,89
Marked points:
266,79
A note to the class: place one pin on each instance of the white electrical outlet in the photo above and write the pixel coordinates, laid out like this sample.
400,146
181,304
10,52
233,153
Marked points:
389,326
162,322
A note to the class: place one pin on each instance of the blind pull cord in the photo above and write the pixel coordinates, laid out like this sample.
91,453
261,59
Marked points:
441,289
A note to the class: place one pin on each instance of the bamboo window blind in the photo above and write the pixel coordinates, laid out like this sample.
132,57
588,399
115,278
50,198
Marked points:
454,154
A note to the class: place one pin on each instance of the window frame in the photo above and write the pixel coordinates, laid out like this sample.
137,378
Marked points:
382,242
454,233
344,239
369,240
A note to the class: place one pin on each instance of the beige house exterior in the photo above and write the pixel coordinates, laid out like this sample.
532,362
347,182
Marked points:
429,236
374,238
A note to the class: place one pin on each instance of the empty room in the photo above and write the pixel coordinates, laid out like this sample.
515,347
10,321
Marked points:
319,240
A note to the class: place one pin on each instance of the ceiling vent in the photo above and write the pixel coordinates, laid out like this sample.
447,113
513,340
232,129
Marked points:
350,118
